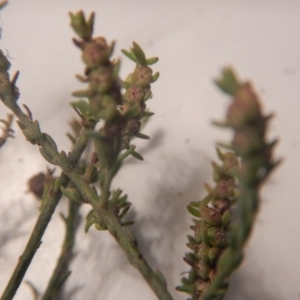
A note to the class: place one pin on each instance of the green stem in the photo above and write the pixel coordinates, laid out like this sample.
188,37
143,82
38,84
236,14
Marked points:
49,204
124,238
61,272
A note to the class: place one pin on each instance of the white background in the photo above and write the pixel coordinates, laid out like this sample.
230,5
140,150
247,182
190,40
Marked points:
194,40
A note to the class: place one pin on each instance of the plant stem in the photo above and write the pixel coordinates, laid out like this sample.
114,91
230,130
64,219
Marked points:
61,272
49,204
123,237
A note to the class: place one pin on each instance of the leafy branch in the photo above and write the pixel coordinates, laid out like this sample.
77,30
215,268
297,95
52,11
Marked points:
208,280
121,116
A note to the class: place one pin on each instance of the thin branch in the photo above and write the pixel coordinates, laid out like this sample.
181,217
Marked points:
61,272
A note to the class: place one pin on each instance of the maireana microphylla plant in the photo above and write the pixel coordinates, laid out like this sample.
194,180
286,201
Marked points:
216,243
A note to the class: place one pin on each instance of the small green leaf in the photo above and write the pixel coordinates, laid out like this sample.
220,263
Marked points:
49,142
191,240
126,85
220,154
116,69
151,61
47,156
88,224
142,136
185,289
137,155
139,53
186,282
195,204
90,220
83,93
225,218
228,83
71,193
81,78
195,212
124,211
122,202
147,96
82,106
148,114
130,55
90,24
111,48
115,195
221,124
155,77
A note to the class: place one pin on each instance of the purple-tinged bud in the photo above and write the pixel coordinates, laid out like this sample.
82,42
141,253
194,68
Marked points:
244,108
210,215
142,75
95,53
216,236
221,205
225,188
132,127
134,94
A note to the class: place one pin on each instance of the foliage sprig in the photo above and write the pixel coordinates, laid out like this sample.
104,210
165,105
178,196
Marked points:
210,226
249,125
104,99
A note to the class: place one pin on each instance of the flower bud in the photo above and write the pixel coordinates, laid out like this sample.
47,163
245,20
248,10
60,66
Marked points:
244,108
95,53
221,205
216,236
134,94
142,75
210,215
132,127
225,188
